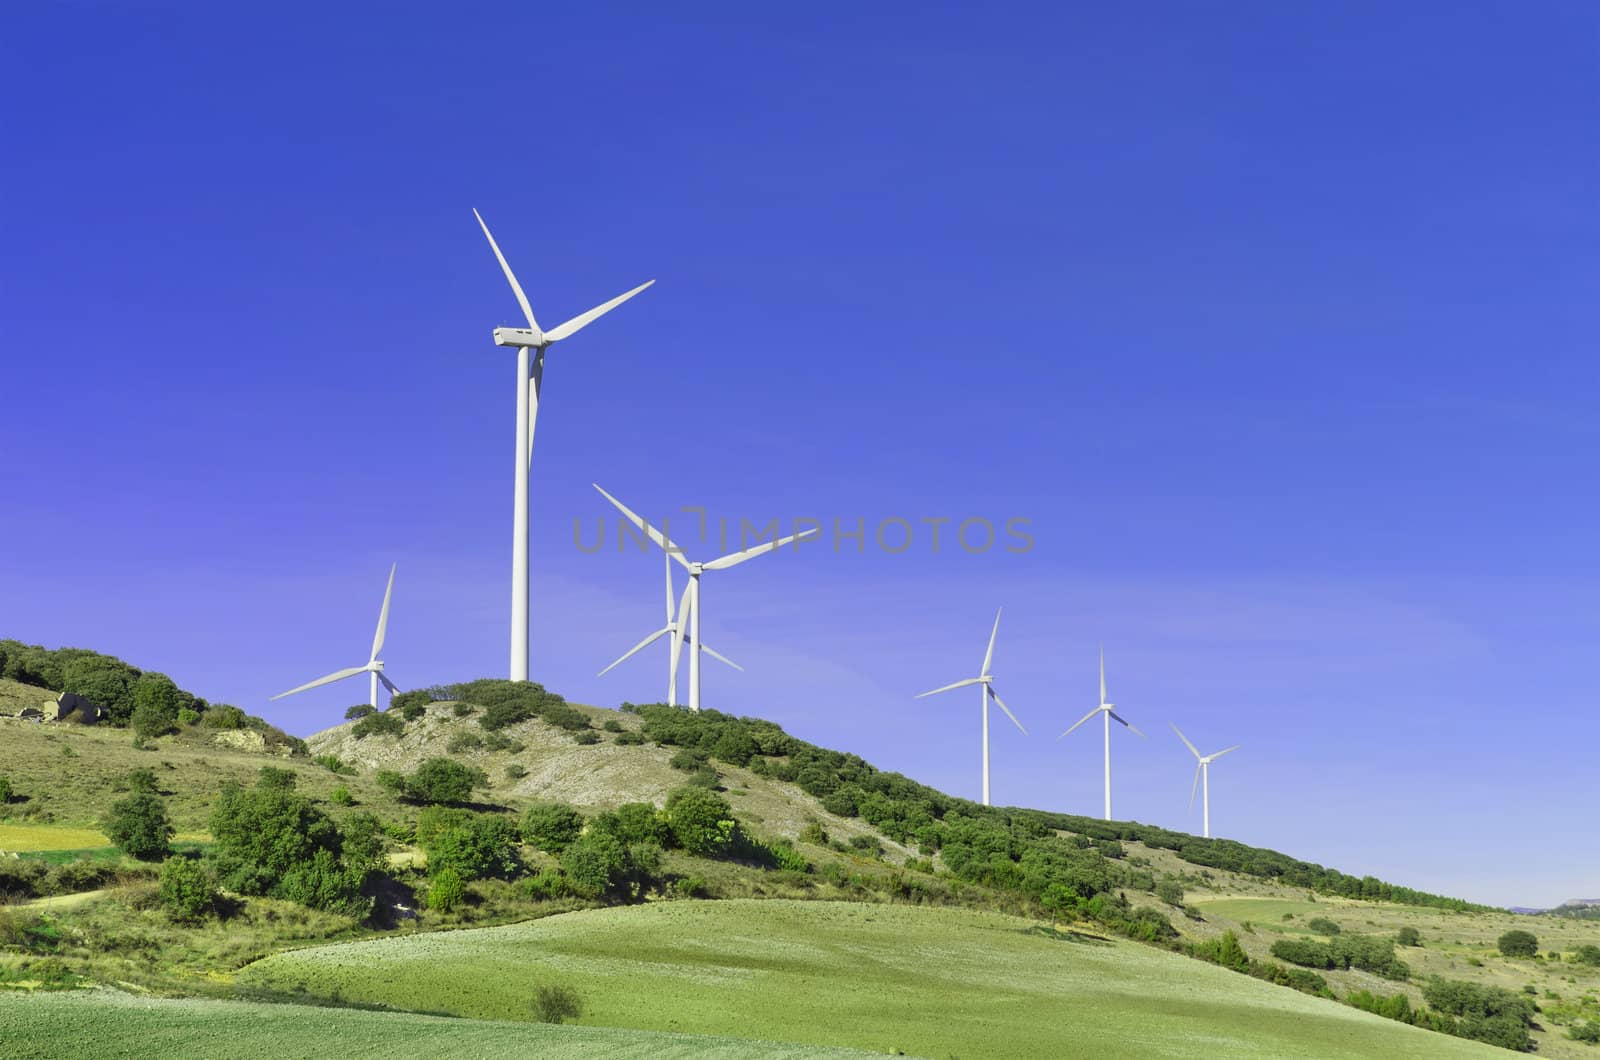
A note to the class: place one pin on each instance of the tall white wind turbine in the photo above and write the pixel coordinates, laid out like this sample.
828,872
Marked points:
674,626
1110,715
531,342
986,680
374,665
690,607
1202,774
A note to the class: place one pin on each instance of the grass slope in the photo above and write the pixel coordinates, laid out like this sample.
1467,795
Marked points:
113,1026
933,982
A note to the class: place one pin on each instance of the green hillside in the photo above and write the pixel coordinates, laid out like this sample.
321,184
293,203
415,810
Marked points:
930,982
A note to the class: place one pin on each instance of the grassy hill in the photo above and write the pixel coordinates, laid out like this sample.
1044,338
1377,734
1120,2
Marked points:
915,879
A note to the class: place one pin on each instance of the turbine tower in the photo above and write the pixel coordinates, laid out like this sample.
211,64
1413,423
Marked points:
690,608
1110,715
1202,774
985,679
674,626
374,665
530,342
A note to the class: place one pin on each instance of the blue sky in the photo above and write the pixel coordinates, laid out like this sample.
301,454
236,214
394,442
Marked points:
1278,328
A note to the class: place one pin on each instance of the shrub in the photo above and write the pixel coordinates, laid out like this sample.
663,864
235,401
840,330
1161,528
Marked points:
612,725
516,771
866,844
482,845
5,789
786,857
687,760
186,891
139,826
411,705
734,747
1585,1032
359,711
1322,926
701,821
688,887
1225,951
634,822
334,764
629,738
341,796
554,1004
1587,954
499,741
595,864
463,710
1408,936
445,890
442,780
392,782
379,723
1170,891
548,883
551,826
1518,943
587,737
814,834
464,741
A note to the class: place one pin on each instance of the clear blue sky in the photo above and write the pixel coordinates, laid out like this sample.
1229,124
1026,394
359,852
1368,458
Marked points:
1277,322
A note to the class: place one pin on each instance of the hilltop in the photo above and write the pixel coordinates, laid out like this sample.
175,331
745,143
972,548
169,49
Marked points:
803,823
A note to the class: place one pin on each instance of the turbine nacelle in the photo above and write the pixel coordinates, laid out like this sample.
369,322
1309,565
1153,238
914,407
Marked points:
519,337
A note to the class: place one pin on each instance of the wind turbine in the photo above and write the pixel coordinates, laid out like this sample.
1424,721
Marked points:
674,626
691,604
531,342
1202,773
374,664
1110,715
985,679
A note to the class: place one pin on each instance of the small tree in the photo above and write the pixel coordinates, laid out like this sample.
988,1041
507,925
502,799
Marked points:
555,1004
1322,926
1170,891
5,790
447,890
140,827
1408,936
359,711
551,826
186,889
143,781
1518,943
1587,954
444,780
701,821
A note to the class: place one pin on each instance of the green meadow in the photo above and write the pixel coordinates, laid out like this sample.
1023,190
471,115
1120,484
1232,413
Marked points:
929,982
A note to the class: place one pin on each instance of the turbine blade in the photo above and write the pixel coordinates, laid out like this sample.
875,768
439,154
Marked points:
1192,748
505,267
1219,754
1102,674
1002,704
651,532
946,688
1126,723
1196,787
1081,720
988,655
651,639
328,680
583,320
733,559
390,685
709,650
383,618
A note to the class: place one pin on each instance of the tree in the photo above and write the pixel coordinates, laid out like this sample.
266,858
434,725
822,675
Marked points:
139,825
701,821
595,864
1230,954
359,711
186,889
553,1004
634,822
1322,926
446,890
551,826
1408,936
1518,943
1587,954
378,723
1170,891
483,845
142,781
156,703
444,780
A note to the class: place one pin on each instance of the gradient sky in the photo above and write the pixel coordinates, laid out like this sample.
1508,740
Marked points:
1276,322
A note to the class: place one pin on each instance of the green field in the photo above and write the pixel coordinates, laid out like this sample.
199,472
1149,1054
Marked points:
110,1026
931,982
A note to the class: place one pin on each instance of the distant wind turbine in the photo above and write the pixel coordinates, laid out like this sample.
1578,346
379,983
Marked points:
374,664
1202,774
1110,715
674,626
531,343
691,605
985,679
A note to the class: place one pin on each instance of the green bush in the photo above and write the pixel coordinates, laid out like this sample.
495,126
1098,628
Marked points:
555,1004
411,705
391,781
334,764
1585,1032
341,796
612,725
186,891
1587,954
445,890
480,846
629,738
595,864
687,760
866,844
379,723
1518,943
587,737
5,789
634,822
1322,926
359,711
786,857
1408,936
464,741
551,826
516,771
442,780
499,741
701,822
547,884
139,826
1170,891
